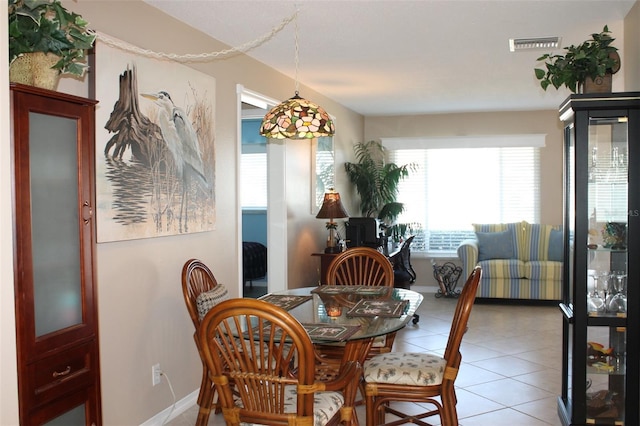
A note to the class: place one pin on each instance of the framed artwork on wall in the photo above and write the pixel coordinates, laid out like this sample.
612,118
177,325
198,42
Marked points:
155,153
323,170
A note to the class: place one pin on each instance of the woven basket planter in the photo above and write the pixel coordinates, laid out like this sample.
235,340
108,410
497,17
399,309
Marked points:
598,84
34,69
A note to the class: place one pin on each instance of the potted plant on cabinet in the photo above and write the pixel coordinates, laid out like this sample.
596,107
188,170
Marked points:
594,60
376,182
43,31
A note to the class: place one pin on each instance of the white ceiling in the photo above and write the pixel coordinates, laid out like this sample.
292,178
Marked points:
385,57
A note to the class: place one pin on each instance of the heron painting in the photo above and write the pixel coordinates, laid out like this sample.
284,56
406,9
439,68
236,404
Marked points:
156,156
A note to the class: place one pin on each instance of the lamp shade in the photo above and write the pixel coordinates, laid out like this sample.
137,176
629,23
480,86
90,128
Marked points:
297,118
332,207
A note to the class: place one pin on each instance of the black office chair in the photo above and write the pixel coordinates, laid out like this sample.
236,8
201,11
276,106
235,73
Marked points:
403,273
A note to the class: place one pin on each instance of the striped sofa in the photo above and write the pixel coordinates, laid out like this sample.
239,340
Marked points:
521,261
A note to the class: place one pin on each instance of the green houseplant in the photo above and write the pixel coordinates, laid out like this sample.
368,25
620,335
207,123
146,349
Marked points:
376,181
592,59
45,26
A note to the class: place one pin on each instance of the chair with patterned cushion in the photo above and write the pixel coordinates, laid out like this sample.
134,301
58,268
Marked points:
420,377
263,365
201,292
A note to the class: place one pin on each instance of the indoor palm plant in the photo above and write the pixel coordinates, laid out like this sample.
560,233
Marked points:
47,28
592,59
376,181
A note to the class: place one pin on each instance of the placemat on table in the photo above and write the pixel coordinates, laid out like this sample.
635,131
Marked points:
337,332
285,301
319,331
378,308
365,290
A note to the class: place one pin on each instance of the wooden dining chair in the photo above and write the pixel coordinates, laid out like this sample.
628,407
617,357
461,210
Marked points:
263,364
420,377
360,266
200,287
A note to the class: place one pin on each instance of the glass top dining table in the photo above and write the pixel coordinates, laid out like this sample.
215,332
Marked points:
347,319
346,313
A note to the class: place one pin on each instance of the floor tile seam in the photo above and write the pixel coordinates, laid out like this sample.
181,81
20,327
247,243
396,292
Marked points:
520,358
514,353
502,403
498,355
536,386
472,416
553,370
532,398
528,414
495,379
534,362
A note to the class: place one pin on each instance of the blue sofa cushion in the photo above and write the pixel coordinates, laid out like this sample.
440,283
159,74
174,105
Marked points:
555,245
495,245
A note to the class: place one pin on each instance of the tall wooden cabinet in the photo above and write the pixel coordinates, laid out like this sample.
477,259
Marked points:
601,293
54,243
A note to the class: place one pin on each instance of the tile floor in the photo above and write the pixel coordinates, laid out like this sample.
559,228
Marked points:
511,362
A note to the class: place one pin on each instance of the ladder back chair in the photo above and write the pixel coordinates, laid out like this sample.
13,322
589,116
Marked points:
420,377
197,280
263,365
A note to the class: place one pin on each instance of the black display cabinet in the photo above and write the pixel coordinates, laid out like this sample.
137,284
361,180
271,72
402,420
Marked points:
601,289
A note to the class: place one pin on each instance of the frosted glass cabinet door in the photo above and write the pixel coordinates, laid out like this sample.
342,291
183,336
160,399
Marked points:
53,142
54,223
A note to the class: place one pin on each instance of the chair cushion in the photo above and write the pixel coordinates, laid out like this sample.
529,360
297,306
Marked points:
555,246
325,405
405,368
208,299
502,268
496,245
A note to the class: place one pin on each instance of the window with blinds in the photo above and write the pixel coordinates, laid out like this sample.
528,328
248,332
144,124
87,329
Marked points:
453,188
253,180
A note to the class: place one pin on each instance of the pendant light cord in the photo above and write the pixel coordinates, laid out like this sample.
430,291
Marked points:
201,57
297,50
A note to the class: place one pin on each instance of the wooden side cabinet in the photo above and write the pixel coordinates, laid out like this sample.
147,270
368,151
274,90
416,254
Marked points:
54,245
601,295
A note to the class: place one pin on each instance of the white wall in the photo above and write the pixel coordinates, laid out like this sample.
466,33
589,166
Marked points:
8,378
630,58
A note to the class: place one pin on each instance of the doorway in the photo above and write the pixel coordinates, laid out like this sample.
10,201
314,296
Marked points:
260,203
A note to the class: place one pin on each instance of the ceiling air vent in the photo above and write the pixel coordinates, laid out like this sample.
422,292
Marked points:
534,43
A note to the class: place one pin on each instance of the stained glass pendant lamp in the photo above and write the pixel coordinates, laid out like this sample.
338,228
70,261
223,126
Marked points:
297,118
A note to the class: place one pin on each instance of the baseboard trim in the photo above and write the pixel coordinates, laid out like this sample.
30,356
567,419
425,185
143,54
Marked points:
424,289
181,406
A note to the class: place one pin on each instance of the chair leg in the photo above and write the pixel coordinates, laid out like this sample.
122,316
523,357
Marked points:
449,413
205,400
203,384
205,408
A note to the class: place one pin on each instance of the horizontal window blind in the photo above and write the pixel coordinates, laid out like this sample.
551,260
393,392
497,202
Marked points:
453,188
253,180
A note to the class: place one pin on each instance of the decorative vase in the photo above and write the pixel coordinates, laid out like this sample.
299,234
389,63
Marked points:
615,235
34,69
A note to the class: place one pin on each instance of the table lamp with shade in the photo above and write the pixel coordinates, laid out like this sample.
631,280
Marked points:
331,209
